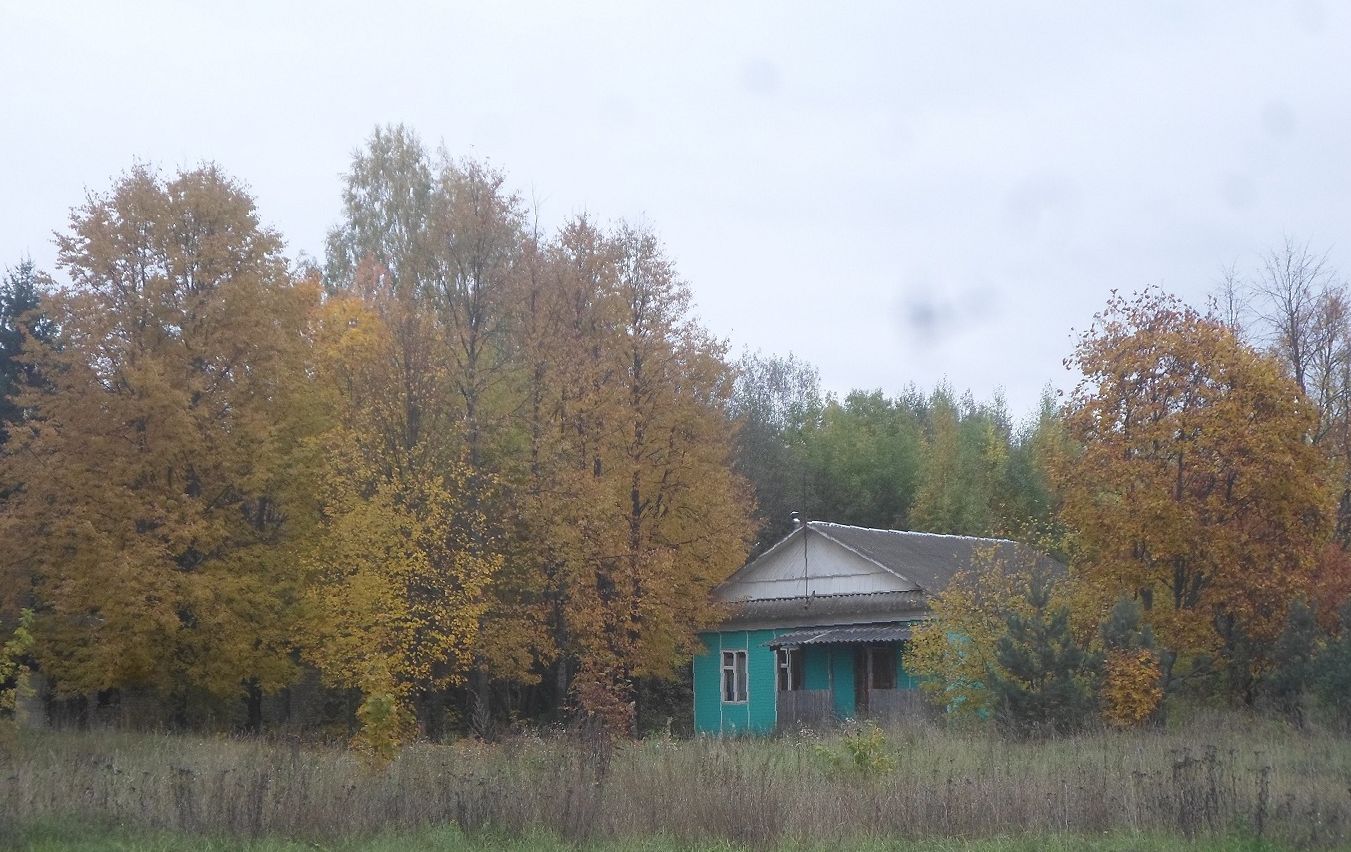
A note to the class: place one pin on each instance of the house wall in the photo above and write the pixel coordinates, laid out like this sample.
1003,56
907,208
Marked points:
825,667
759,713
816,668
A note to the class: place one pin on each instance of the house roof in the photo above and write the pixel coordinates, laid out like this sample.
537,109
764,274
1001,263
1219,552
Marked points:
826,609
929,560
860,635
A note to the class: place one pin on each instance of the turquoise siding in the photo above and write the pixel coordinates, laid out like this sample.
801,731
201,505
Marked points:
825,667
759,713
815,668
707,686
842,673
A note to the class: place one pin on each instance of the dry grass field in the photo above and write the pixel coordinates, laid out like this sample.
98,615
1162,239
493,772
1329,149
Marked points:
1211,781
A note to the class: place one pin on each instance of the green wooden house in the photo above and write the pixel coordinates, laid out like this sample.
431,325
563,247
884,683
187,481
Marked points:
818,625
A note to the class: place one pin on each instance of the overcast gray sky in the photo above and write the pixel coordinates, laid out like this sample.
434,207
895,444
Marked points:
897,192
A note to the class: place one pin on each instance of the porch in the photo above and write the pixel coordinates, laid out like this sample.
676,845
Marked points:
826,675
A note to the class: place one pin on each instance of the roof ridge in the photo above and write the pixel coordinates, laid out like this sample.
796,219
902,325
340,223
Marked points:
914,532
832,595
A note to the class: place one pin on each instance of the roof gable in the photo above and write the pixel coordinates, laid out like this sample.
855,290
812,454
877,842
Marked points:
806,563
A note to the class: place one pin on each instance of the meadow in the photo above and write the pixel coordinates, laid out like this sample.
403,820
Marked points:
1211,780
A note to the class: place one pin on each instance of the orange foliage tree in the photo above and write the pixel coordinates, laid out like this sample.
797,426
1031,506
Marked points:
1192,486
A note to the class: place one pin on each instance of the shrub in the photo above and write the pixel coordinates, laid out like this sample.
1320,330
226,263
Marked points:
863,751
14,670
1292,663
385,725
1131,687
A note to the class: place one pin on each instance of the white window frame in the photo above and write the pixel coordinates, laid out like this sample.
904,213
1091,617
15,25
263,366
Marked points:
734,665
786,670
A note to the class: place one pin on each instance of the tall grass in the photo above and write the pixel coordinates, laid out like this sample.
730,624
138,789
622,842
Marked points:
1214,776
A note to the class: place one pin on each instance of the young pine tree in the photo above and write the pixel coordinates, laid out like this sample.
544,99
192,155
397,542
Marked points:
1292,663
1043,682
1330,673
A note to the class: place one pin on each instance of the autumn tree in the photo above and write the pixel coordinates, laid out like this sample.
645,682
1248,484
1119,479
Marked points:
655,516
1195,488
1297,306
1131,691
395,576
569,327
443,237
156,475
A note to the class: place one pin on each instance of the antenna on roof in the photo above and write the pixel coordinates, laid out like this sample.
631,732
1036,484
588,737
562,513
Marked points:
799,523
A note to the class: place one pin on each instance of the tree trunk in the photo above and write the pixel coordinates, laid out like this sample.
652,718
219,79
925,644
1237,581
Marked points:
253,705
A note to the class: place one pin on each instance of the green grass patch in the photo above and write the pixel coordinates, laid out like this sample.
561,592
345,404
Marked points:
75,838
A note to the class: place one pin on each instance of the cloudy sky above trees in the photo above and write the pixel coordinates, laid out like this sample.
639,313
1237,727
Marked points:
897,192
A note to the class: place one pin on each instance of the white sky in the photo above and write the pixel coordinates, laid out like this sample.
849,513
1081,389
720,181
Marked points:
897,192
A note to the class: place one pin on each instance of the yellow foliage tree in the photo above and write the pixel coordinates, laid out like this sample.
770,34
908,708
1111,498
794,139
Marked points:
633,510
1131,687
398,567
160,479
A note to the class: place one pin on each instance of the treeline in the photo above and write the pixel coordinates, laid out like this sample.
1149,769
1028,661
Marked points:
467,471
932,461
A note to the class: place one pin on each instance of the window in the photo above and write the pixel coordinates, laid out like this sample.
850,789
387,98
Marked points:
790,669
734,677
882,667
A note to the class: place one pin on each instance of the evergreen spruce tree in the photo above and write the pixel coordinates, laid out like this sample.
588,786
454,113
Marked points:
1292,659
1331,672
20,296
1043,682
1124,631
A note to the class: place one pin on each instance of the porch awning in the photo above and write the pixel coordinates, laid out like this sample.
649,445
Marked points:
842,636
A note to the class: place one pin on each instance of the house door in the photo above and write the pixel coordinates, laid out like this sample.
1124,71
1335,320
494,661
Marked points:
874,669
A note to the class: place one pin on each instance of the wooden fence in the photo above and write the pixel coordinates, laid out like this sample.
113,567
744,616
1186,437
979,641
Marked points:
890,705
814,708
805,708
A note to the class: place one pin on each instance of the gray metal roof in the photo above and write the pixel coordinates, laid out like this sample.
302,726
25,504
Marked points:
861,635
825,609
928,559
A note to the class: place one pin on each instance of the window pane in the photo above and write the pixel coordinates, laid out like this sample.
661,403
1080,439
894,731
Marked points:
741,675
728,685
884,668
